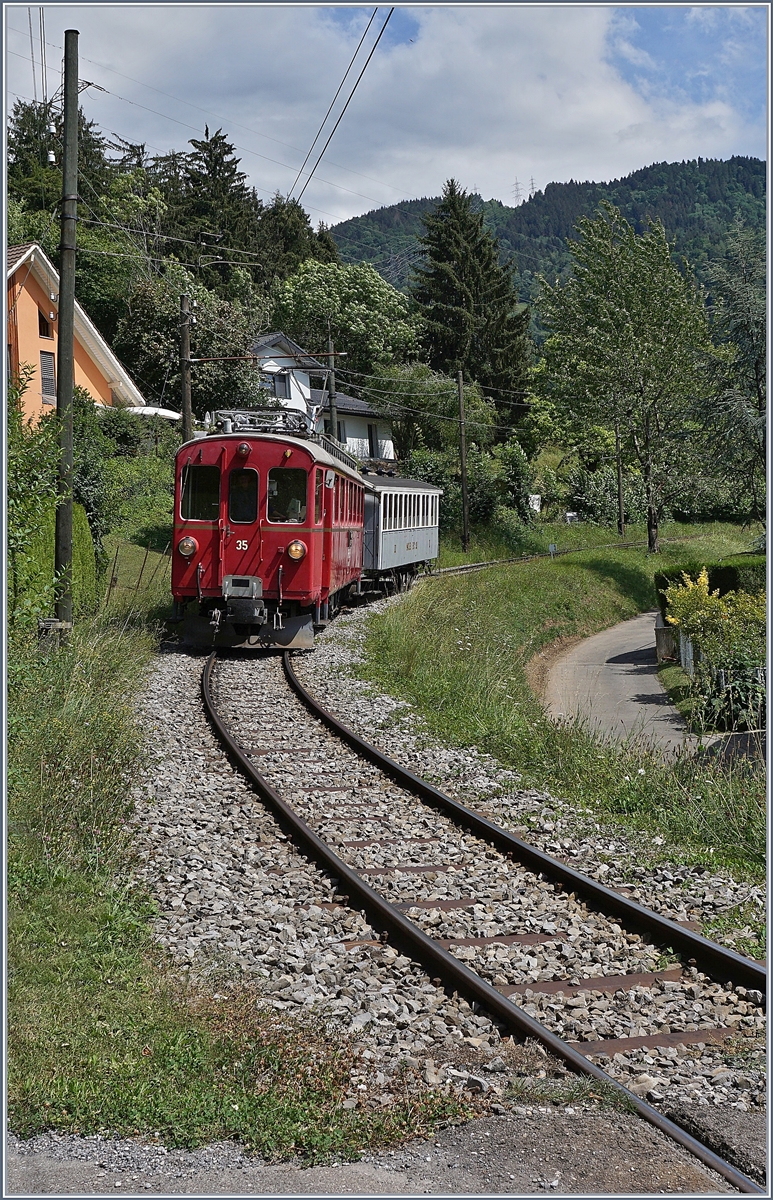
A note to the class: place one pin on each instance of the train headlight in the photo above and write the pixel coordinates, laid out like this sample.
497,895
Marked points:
243,448
297,550
187,547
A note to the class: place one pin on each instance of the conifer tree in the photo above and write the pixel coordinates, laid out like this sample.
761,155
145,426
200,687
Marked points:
467,302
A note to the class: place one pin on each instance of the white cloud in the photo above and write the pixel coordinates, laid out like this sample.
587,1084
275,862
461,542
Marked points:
482,93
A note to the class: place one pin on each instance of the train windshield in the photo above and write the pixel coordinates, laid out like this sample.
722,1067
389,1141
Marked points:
287,495
201,493
243,496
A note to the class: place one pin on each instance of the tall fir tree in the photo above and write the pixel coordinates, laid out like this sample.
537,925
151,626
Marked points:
469,307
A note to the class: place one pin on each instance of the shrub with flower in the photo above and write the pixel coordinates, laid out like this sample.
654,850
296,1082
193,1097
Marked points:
729,633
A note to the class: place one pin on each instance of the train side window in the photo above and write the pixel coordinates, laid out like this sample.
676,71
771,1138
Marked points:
318,498
200,493
243,496
287,495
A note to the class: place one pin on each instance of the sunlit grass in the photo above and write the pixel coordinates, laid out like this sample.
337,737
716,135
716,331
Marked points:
458,648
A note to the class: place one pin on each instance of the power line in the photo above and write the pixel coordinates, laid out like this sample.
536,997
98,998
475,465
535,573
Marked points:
332,102
348,102
226,120
372,375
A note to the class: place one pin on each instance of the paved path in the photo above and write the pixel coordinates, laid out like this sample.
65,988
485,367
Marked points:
611,681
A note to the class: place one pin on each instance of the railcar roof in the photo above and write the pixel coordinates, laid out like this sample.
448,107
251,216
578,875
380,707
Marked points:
317,452
385,482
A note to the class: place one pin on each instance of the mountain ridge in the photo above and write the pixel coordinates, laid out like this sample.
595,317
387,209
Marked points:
696,199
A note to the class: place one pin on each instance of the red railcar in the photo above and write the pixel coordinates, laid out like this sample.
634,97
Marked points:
267,532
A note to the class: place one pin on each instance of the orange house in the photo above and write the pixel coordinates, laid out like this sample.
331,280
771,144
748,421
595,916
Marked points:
33,303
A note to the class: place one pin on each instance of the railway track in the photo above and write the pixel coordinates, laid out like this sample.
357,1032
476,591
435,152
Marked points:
545,951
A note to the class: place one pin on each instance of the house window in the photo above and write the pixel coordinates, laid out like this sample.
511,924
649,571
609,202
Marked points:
44,327
342,432
282,386
373,441
48,377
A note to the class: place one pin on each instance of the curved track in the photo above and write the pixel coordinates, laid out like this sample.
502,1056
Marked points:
323,828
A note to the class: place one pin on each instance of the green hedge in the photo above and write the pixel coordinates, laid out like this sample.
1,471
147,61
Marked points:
37,571
739,573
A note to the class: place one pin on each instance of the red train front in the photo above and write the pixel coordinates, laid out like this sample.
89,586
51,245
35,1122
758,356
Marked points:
267,532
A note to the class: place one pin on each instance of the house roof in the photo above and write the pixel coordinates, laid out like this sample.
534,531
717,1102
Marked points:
290,348
344,404
85,330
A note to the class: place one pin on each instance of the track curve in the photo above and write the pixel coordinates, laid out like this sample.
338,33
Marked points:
412,940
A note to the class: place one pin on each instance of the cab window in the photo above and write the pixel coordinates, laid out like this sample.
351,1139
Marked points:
201,493
287,495
243,496
318,497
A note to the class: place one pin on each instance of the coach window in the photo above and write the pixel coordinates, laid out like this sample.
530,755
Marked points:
318,497
287,495
201,493
243,496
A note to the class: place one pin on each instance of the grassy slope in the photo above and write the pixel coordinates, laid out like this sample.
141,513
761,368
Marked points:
465,672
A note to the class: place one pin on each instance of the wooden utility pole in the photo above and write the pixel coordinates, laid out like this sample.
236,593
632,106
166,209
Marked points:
331,386
620,493
65,349
463,456
185,366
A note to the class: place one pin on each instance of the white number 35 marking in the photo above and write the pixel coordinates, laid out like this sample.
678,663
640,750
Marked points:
242,545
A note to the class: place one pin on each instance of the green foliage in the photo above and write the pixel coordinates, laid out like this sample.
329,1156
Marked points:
733,409
515,474
148,340
593,496
363,314
469,309
628,334
36,576
31,489
729,634
733,573
139,493
422,407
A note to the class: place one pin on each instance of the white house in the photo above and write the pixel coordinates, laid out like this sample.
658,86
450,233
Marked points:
289,369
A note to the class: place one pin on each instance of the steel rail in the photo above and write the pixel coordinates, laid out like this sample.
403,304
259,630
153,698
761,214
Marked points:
408,937
718,961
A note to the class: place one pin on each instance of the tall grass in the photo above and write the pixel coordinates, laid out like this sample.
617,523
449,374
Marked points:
458,647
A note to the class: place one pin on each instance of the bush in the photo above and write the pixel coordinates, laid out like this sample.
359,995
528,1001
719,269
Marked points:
139,492
515,478
729,633
738,573
593,496
36,574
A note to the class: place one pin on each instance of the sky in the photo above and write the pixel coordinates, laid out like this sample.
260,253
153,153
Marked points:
504,98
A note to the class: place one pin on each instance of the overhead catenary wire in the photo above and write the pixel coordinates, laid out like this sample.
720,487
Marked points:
227,120
332,102
348,102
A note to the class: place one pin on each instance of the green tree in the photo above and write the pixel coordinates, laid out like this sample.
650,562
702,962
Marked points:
469,308
629,332
148,340
286,240
366,316
422,407
734,408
